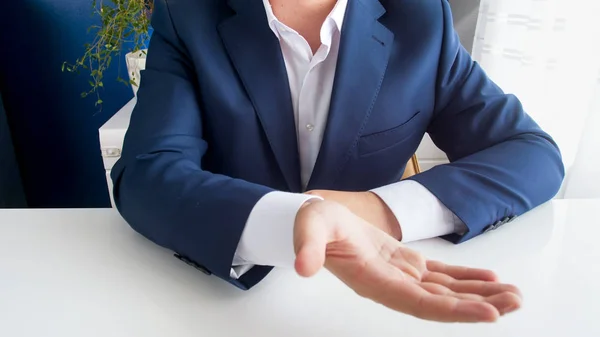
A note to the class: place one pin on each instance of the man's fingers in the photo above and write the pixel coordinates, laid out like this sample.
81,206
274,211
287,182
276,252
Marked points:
451,309
448,308
309,259
462,273
310,243
504,302
438,289
477,287
399,294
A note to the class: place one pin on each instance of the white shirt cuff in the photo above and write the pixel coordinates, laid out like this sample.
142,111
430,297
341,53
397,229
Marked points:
268,238
420,214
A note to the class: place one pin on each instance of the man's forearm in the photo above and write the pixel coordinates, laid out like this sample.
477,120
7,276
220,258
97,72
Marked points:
406,210
368,206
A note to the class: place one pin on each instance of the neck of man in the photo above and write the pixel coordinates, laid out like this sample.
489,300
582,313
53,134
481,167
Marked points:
302,10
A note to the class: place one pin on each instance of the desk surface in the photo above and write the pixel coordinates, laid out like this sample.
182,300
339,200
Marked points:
76,273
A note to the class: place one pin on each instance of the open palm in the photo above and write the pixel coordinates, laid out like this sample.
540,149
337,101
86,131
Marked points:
380,268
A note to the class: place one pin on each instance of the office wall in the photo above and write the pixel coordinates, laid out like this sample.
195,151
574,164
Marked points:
465,14
11,190
54,130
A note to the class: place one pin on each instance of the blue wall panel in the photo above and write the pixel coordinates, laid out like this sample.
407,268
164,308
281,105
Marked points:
11,190
55,131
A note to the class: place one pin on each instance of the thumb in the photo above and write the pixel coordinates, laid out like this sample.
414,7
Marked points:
310,242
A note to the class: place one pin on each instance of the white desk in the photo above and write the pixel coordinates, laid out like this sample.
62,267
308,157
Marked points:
84,273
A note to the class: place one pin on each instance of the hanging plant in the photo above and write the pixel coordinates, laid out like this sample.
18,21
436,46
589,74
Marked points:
122,23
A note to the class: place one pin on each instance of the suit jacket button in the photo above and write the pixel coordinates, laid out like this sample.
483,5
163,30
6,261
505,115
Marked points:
489,228
193,264
202,269
183,259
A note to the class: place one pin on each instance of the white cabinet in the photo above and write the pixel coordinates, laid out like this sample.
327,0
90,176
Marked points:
112,134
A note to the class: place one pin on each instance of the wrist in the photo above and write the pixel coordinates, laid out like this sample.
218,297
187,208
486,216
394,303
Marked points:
386,219
367,205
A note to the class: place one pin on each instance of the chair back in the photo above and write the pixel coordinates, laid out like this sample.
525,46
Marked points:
412,167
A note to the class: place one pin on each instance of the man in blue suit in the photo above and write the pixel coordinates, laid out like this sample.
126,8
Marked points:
275,133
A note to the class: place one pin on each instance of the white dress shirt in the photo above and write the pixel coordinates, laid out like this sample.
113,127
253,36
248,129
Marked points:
268,236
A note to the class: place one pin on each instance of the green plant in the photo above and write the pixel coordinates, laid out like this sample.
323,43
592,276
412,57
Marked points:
122,23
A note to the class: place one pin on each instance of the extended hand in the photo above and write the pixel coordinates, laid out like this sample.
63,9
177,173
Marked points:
380,268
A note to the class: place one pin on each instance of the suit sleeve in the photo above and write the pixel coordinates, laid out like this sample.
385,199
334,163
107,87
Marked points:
160,187
501,163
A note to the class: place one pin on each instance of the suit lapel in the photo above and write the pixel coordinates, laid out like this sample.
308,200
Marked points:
363,57
256,54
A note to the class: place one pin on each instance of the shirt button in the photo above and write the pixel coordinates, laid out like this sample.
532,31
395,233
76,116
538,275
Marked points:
310,127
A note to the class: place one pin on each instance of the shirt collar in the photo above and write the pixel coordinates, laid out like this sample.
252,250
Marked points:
337,14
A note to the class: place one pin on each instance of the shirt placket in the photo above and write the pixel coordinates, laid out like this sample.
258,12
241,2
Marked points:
310,126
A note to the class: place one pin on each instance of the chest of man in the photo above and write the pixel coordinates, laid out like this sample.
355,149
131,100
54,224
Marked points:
381,98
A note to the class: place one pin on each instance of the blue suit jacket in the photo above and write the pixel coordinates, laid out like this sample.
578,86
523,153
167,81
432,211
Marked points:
213,130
